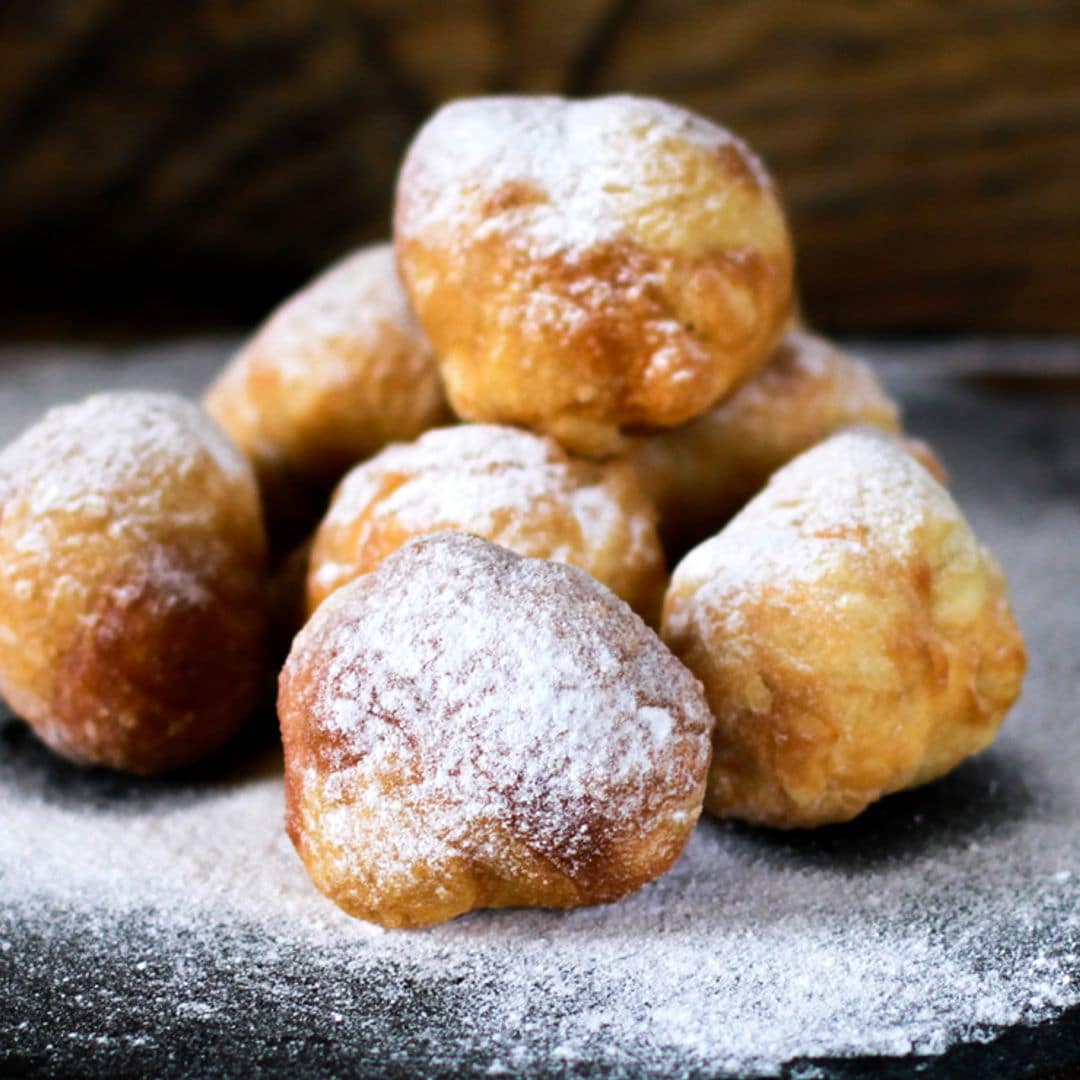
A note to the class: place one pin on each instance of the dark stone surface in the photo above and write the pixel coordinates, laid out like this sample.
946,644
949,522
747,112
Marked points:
80,988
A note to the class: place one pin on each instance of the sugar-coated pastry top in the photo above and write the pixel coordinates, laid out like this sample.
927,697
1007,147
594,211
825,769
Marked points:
607,168
512,487
466,727
583,266
700,473
853,636
132,556
335,373
116,464
855,487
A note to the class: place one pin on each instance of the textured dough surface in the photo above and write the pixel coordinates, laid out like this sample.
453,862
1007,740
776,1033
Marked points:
335,373
700,473
586,266
466,728
131,582
511,487
853,637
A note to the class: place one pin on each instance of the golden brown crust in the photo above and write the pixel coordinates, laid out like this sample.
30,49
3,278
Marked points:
853,637
631,285
701,473
512,487
466,728
338,371
131,582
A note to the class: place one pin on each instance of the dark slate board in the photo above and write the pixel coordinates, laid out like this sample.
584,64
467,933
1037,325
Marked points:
149,988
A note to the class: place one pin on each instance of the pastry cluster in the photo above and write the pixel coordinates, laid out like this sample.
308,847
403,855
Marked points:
576,361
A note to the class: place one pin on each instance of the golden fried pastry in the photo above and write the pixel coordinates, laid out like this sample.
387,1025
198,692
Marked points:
585,266
131,582
337,372
852,635
701,473
466,728
512,487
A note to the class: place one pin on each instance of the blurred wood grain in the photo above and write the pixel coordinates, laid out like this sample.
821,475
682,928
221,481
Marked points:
187,163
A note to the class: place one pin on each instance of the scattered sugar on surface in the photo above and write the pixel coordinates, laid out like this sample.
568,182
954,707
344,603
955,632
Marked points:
947,914
742,958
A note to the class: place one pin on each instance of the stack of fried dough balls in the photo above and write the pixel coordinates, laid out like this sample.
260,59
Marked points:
576,361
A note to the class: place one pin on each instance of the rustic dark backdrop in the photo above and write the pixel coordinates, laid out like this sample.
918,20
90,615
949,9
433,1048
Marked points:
181,164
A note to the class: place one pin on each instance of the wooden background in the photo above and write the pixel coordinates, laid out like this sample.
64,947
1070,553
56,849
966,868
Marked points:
182,164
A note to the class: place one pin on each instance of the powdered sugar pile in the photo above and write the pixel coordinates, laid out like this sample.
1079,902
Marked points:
167,927
520,699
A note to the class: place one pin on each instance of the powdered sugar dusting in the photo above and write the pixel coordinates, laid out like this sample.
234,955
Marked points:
532,150
517,694
350,310
814,362
515,488
79,458
121,466
465,475
815,512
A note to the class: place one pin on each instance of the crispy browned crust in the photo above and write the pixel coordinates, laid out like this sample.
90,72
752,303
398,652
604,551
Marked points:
142,647
647,328
601,873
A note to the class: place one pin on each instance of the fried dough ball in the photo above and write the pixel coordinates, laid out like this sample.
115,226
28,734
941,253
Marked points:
853,637
701,473
337,372
467,728
132,563
586,266
512,487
